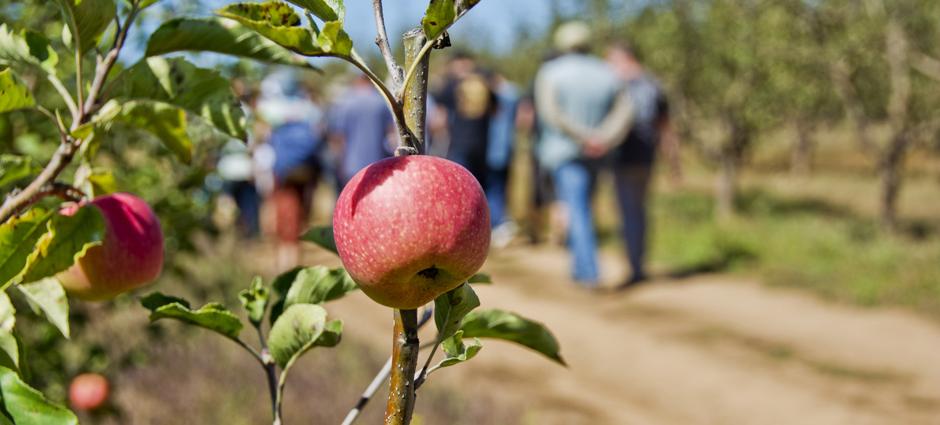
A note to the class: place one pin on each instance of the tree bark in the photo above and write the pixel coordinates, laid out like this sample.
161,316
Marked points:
801,157
891,180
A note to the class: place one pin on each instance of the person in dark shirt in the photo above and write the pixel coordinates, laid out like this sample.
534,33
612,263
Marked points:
468,102
359,126
633,160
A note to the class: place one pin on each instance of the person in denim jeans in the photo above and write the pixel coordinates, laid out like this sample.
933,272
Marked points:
584,112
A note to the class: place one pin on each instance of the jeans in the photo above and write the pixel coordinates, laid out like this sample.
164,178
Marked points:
249,206
632,183
574,186
496,195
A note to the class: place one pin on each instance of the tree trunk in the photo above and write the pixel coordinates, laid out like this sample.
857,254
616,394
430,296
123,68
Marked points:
801,158
891,180
727,187
730,158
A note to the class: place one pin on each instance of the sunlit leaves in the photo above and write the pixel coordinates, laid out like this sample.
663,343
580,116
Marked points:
457,351
66,239
165,121
13,93
212,316
255,300
18,238
219,36
9,346
14,168
450,309
327,10
26,48
279,22
312,285
87,20
276,21
175,81
47,297
26,406
512,327
296,331
441,14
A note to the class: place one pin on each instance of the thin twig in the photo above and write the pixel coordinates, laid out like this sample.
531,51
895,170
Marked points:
410,75
381,39
270,370
381,376
66,96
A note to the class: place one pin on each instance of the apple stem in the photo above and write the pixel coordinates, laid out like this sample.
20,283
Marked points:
405,348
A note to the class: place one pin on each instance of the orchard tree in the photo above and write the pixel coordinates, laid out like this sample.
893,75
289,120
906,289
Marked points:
411,229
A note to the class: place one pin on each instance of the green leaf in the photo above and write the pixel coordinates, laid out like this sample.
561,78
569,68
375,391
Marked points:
67,238
202,92
512,327
276,21
13,93
480,278
101,182
295,332
450,309
27,406
212,316
14,168
456,351
332,334
48,297
255,300
334,40
327,10
9,347
219,36
319,284
441,14
322,236
18,238
87,20
27,48
312,285
166,122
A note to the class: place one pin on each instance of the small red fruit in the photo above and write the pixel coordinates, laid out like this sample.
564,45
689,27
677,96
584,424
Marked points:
130,256
411,228
88,391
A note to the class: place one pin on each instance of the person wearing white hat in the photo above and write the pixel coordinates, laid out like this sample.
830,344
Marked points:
584,112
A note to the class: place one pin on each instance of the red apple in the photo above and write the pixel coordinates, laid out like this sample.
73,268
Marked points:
88,391
411,228
130,256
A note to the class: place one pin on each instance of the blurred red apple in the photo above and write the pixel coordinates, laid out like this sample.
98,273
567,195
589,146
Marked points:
411,228
130,256
88,391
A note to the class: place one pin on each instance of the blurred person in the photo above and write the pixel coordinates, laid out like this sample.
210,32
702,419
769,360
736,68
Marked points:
360,127
295,138
236,167
502,137
467,102
633,160
584,112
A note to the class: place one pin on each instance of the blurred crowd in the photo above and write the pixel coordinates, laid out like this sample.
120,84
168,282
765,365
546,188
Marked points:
583,115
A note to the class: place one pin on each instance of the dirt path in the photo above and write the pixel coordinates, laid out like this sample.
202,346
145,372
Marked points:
698,351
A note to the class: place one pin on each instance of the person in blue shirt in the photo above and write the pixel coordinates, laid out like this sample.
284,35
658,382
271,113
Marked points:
360,127
295,137
633,160
583,112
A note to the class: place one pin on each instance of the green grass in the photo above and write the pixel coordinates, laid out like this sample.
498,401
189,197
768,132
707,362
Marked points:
799,243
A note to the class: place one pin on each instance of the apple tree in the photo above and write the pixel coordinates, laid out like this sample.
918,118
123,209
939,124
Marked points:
58,234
